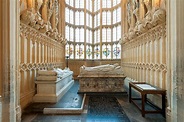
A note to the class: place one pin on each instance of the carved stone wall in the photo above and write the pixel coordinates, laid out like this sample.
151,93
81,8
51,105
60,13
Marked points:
144,43
36,51
40,44
175,38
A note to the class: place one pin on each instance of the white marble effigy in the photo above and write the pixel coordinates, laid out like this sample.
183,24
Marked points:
103,78
52,85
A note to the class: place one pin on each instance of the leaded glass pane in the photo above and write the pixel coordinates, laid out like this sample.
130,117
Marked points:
71,34
71,3
118,15
87,19
67,14
104,35
81,4
108,18
89,52
114,16
77,35
71,54
108,35
81,35
108,3
104,4
103,51
81,51
67,50
77,5
114,34
118,32
67,32
81,19
108,51
104,18
77,18
97,52
71,17
77,51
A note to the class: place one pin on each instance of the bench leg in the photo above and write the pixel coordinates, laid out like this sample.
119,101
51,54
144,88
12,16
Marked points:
130,93
143,105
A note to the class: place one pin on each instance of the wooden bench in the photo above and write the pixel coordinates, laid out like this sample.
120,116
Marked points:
145,89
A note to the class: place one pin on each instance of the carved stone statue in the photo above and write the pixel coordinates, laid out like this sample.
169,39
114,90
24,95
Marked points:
102,70
129,12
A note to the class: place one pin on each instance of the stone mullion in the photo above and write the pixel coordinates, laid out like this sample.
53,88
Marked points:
22,61
137,78
151,59
46,53
147,62
25,61
135,59
36,54
33,61
156,72
143,62
54,56
51,53
163,60
131,59
37,51
43,53
140,58
29,61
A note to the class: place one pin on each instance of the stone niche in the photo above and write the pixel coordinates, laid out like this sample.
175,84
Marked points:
103,78
52,85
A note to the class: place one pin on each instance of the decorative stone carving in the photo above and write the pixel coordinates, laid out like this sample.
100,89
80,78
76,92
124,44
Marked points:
38,66
129,12
57,39
28,16
136,10
159,16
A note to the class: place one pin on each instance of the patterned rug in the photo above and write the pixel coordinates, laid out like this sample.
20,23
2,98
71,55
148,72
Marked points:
105,109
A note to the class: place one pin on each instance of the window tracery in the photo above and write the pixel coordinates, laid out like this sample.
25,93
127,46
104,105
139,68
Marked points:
97,29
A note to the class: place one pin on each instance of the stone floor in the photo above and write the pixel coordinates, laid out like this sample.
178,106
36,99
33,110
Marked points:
34,112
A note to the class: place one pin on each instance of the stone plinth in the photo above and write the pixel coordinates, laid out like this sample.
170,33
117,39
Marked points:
52,91
101,83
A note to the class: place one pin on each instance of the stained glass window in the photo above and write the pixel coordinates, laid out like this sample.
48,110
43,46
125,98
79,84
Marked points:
97,29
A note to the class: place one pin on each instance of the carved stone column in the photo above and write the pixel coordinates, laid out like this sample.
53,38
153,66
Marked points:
175,47
11,111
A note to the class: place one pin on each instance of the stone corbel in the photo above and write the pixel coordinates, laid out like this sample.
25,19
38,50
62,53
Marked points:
27,16
125,39
131,34
159,16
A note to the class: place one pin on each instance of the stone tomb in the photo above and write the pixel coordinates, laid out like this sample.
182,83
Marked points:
103,78
52,85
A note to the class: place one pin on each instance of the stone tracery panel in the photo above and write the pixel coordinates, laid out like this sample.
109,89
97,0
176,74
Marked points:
144,42
41,46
